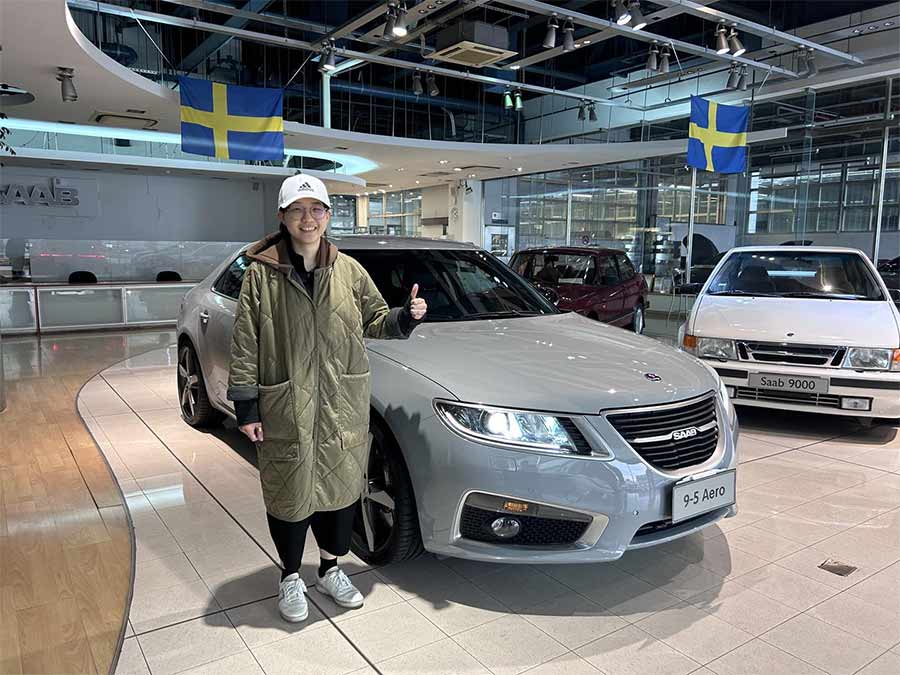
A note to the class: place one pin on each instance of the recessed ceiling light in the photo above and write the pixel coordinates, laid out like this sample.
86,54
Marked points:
857,31
417,182
456,168
473,175
442,161
873,27
390,186
586,42
519,168
514,66
401,169
888,23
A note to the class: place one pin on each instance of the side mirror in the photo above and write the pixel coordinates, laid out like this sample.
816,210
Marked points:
895,296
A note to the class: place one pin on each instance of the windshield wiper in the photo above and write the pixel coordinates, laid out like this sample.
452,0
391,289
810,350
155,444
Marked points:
500,314
829,296
748,293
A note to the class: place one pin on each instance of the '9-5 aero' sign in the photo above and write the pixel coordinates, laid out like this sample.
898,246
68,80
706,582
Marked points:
37,195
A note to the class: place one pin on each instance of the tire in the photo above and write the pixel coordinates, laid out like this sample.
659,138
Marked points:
193,400
638,319
388,499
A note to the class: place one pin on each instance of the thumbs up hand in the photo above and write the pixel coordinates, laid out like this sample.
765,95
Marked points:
417,306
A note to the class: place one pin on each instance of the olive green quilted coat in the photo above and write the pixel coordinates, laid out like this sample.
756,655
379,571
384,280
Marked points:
305,361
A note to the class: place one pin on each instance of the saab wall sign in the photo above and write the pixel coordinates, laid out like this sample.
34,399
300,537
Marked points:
51,194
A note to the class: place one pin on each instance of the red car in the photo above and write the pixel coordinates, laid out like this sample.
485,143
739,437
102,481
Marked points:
601,284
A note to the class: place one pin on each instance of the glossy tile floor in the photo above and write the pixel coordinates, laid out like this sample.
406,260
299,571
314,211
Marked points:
743,597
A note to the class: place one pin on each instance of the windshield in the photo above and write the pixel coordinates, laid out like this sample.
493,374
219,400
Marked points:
784,274
458,285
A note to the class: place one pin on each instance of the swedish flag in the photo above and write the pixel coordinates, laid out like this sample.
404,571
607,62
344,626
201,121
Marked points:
718,136
231,122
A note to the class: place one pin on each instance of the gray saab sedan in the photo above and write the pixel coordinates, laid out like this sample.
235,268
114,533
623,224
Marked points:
503,429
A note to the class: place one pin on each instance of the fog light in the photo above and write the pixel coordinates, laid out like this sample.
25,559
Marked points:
506,528
856,404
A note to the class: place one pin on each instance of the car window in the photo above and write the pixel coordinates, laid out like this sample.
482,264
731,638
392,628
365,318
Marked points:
556,268
626,269
458,285
608,273
797,275
229,283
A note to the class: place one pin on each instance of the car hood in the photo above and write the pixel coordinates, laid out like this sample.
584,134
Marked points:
559,363
851,323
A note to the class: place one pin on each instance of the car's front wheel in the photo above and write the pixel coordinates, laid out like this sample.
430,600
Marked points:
386,528
193,400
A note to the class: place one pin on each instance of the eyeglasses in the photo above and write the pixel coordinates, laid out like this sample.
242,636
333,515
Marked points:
299,212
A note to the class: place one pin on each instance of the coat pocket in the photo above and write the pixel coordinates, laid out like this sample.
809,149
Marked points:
276,411
355,401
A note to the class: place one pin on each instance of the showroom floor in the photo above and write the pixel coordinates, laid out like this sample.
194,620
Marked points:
746,596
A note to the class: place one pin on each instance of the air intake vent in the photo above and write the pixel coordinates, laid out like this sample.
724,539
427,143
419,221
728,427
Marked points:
124,121
472,43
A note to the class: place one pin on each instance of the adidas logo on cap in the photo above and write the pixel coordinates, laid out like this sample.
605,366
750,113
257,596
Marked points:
305,186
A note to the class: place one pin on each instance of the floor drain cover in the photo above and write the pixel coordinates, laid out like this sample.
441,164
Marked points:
837,567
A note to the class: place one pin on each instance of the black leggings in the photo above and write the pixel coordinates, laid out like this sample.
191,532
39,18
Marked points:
332,530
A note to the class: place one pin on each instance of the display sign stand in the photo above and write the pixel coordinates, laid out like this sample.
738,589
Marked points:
690,237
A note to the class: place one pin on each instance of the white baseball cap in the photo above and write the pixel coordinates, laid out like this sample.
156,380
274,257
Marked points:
300,186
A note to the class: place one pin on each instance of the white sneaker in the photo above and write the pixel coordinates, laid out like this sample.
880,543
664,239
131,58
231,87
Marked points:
291,599
338,585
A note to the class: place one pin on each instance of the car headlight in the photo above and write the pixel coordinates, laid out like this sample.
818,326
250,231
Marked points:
864,358
712,348
527,430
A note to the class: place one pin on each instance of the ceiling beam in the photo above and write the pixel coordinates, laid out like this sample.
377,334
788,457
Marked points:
357,22
698,10
290,43
244,13
215,42
642,35
592,38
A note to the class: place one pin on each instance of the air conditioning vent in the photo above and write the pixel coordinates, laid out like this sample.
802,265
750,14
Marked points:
124,121
472,43
437,174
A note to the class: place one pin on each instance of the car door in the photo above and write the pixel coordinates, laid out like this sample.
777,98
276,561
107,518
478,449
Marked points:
631,285
609,300
216,326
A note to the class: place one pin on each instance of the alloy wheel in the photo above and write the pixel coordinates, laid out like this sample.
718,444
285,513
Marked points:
188,382
375,516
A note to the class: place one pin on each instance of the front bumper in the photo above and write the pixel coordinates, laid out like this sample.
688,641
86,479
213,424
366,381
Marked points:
620,495
881,388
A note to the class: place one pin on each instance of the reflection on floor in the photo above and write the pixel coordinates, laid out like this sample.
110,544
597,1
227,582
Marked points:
746,596
65,547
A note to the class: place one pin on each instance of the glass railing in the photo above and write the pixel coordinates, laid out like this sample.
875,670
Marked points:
60,261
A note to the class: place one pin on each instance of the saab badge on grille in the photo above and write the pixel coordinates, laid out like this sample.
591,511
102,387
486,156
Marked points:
653,377
681,434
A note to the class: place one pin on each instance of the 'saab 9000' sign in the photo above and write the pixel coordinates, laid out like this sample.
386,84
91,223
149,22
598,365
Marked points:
37,195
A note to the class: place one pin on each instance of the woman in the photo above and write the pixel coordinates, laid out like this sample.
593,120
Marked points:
299,380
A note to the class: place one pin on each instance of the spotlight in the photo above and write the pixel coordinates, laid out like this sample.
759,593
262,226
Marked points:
653,57
742,80
733,76
734,42
592,113
581,107
432,85
811,68
664,60
507,100
67,87
399,28
518,100
550,38
390,23
418,90
569,36
638,21
329,63
622,14
721,40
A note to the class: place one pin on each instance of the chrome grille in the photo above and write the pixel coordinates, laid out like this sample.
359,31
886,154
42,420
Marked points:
775,396
671,437
791,354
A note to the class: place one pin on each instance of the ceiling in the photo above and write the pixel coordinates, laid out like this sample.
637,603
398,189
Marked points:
368,97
